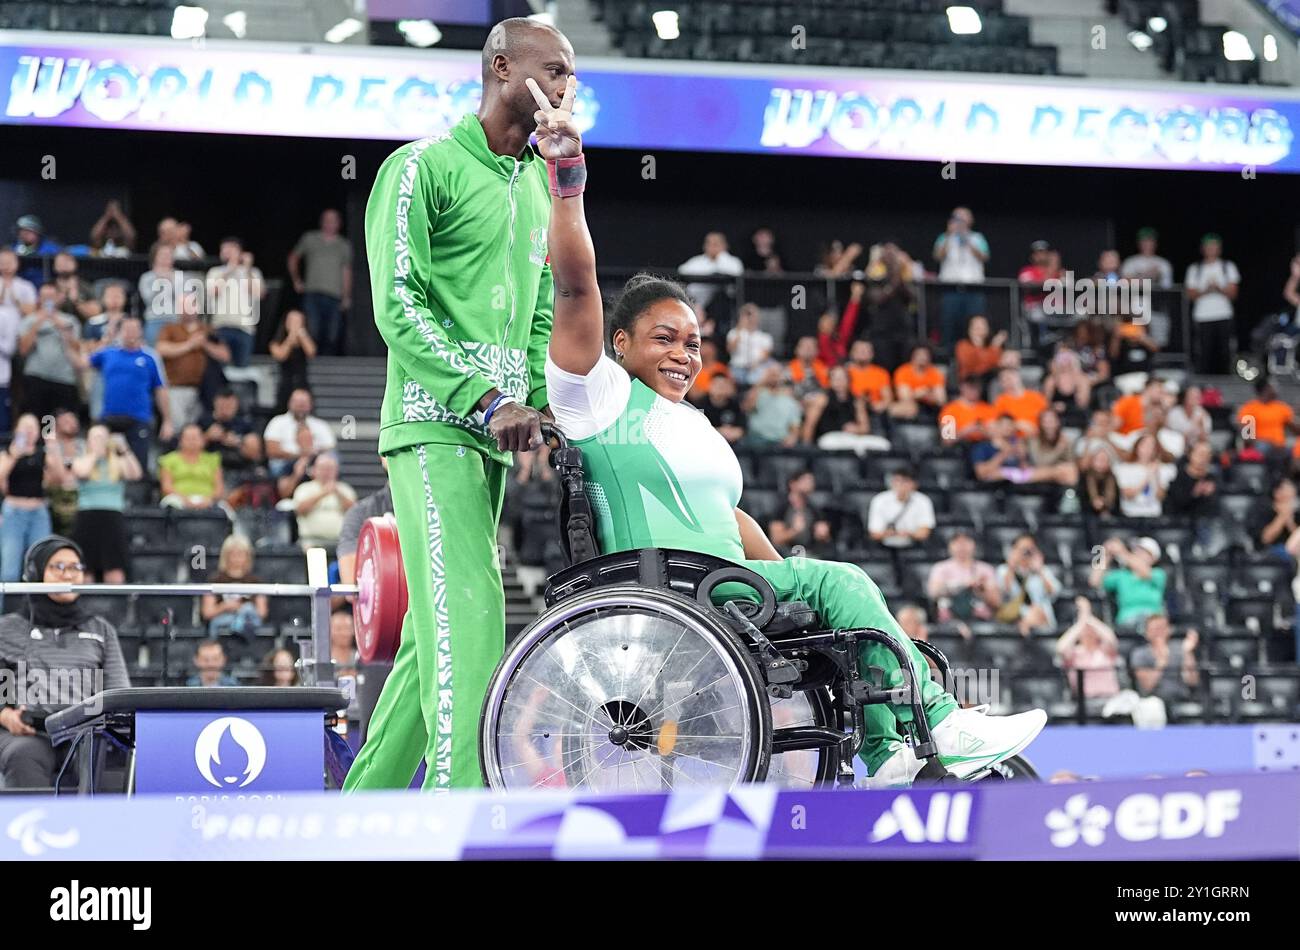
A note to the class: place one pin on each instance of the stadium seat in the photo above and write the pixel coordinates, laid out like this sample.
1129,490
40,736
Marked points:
763,505
148,526
116,609
159,565
150,609
776,468
290,613
281,566
1063,543
1248,477
982,506
204,528
838,472
943,472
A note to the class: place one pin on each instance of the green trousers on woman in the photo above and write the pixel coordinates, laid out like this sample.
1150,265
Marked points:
845,597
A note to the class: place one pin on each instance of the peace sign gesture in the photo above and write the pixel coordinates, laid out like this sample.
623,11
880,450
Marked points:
557,136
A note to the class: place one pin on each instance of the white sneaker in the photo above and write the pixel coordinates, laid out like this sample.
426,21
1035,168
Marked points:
970,740
897,771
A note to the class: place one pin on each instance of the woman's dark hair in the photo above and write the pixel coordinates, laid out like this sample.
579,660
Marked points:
639,294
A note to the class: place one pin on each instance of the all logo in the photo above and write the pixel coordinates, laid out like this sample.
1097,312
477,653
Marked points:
224,746
946,819
1144,817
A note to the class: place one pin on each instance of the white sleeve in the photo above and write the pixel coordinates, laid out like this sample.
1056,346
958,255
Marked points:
926,517
274,430
586,405
876,515
322,435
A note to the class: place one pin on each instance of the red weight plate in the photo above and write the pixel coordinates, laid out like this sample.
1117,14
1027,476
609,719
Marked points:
381,590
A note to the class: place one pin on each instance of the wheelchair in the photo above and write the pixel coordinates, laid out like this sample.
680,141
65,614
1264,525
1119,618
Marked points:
642,676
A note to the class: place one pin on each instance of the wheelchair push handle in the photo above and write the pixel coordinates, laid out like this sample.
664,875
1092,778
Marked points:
551,433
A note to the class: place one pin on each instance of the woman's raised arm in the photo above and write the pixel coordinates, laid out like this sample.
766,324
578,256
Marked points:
577,333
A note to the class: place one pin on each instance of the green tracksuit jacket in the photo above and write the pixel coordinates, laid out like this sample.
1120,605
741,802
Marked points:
456,239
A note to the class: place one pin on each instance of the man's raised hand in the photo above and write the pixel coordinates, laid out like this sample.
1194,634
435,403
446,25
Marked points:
557,136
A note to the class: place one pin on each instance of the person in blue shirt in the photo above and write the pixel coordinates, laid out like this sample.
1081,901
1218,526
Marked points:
31,246
134,386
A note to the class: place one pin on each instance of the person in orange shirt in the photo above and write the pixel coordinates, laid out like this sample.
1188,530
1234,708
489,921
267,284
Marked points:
1130,411
918,386
1269,416
977,355
806,370
868,379
1023,405
710,366
968,417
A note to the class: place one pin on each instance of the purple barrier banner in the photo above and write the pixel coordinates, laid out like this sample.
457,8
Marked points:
1219,817
326,91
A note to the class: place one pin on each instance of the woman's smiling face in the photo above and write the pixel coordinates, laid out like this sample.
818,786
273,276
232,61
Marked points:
663,349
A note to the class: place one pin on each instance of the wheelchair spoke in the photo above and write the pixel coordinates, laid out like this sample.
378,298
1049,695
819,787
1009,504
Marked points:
695,692
636,781
664,663
711,712
708,762
677,771
508,700
543,760
563,767
591,719
789,777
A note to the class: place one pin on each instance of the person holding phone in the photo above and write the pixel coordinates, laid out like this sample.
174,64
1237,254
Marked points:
50,344
102,472
25,468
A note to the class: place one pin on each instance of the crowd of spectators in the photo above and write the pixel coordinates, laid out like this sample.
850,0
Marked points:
110,384
150,362
1085,421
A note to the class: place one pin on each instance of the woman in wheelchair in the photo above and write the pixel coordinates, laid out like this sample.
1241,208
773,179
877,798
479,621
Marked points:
659,476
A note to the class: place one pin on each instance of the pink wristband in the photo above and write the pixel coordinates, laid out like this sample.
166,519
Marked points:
568,176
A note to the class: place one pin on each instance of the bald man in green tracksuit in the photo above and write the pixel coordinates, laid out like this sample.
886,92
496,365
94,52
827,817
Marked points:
456,235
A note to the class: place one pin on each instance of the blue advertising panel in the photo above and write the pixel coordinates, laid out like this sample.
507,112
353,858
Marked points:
221,754
398,94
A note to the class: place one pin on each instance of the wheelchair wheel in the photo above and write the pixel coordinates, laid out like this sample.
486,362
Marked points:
624,689
805,768
1016,768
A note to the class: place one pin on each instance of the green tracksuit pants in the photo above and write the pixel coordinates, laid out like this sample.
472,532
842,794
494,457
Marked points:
845,597
447,500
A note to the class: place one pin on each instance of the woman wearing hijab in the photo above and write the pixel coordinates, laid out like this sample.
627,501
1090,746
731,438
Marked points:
60,654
